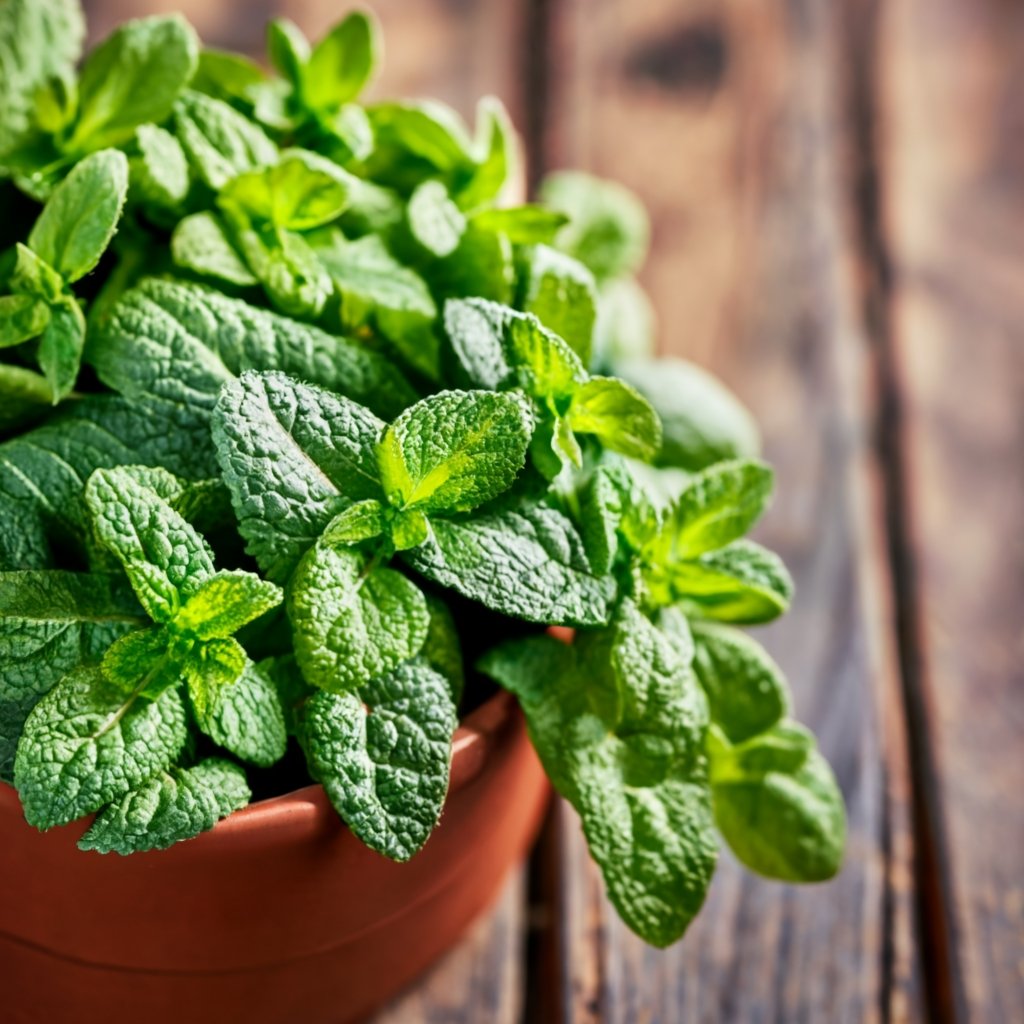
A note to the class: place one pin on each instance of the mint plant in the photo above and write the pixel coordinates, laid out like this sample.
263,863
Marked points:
307,435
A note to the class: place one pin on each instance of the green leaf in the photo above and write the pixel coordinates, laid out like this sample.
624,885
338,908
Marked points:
789,825
163,556
21,317
743,583
41,40
200,244
132,78
619,723
182,342
703,421
50,623
608,229
442,650
287,48
353,621
746,690
32,275
160,171
247,719
80,218
222,604
525,225
87,743
220,143
386,770
362,521
60,347
624,333
342,62
211,668
496,157
417,135
227,76
300,192
454,450
176,804
293,457
618,416
719,505
146,662
482,266
380,293
529,564
434,220
24,397
561,293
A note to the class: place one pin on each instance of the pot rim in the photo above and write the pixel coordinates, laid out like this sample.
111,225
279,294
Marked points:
308,811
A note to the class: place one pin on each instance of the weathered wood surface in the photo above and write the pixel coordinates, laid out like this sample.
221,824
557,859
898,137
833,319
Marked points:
837,189
952,148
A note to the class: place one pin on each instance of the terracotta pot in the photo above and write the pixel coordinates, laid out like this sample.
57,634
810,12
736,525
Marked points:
279,914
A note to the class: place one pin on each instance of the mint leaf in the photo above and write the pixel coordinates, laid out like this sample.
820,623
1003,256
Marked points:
625,332
176,804
247,719
220,605
454,450
353,621
146,662
200,244
743,583
608,229
703,422
60,347
362,521
160,171
21,317
80,217
619,723
211,668
299,192
435,222
617,415
25,397
786,824
131,78
529,564
293,457
524,225
220,143
342,63
87,743
287,48
50,623
182,342
746,691
386,771
561,293
164,557
442,649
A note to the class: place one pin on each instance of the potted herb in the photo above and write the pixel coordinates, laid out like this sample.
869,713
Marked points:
309,435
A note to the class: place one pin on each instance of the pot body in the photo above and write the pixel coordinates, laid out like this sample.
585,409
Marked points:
279,914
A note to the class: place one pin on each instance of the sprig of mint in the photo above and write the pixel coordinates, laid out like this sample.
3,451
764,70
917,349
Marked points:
306,434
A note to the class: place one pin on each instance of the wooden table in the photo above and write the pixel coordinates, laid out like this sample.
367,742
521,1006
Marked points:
837,190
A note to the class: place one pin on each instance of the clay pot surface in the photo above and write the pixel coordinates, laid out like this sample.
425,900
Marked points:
279,914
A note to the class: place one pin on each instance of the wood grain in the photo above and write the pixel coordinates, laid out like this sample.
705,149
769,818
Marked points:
741,162
953,182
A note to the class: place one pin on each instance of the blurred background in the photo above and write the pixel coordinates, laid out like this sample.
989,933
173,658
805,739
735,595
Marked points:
836,190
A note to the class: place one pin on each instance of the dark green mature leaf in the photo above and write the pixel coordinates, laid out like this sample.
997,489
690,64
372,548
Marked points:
87,743
42,473
42,39
164,557
353,621
703,422
293,457
786,824
219,142
529,564
182,342
60,347
25,397
386,770
132,78
608,229
80,217
176,804
561,293
50,623
746,690
619,721
200,243
454,450
742,583
247,719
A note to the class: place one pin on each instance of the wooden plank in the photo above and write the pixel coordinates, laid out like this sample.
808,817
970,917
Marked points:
953,165
482,979
729,120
